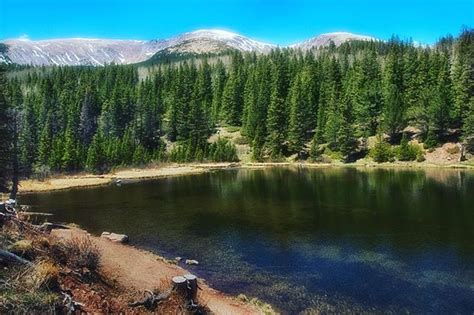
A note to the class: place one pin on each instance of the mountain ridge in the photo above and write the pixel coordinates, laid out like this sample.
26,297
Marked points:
98,52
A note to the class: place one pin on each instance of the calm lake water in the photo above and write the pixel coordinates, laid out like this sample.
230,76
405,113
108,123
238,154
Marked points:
333,239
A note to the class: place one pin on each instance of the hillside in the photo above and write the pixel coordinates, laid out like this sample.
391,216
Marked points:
99,52
381,101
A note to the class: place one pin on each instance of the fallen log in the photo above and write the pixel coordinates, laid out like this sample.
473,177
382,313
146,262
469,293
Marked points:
27,213
5,255
48,227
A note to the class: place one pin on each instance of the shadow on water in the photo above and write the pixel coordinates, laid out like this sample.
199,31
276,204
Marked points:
334,239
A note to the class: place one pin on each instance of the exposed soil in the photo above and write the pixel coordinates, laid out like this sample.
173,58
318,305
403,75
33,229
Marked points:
134,271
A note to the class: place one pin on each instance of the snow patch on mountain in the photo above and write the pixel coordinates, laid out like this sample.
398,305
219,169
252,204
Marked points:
230,39
98,52
337,38
79,51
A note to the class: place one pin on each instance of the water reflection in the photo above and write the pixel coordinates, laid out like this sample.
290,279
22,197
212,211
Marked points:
336,239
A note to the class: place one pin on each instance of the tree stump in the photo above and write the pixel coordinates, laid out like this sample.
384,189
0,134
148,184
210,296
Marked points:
192,287
180,285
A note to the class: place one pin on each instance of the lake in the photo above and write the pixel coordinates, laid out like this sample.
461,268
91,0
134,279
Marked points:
334,239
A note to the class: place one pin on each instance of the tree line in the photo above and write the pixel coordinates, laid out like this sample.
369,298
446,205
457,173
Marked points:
286,102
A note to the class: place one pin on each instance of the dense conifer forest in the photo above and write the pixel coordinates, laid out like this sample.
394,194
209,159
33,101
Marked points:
286,102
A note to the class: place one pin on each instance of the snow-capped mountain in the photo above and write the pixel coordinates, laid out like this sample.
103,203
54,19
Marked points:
80,51
97,52
219,37
337,38
83,51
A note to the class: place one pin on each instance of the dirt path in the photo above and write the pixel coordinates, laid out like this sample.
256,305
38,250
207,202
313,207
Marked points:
138,270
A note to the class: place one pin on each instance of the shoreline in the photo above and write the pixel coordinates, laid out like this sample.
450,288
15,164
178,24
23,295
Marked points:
137,270
85,180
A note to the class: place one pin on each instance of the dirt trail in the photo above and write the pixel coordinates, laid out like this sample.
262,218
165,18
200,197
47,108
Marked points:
138,270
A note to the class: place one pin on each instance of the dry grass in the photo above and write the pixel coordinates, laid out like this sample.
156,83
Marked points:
453,149
80,253
44,275
23,248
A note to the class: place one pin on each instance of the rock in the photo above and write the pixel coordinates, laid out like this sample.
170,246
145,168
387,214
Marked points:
178,258
192,262
114,237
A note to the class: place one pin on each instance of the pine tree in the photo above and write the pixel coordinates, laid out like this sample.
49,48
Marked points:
406,152
299,114
218,84
250,105
277,110
381,152
28,138
70,152
345,136
393,111
45,142
88,117
367,96
95,155
5,136
463,80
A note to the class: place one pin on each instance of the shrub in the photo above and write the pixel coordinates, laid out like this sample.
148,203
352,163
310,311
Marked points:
81,253
315,151
41,172
382,151
420,155
220,151
223,151
431,140
470,144
241,140
409,152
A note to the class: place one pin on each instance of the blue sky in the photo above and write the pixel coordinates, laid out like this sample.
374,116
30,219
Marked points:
279,21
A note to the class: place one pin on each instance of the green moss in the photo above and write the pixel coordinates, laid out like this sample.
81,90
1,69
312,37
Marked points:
38,302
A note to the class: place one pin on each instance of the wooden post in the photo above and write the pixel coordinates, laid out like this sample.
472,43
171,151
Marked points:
192,287
180,285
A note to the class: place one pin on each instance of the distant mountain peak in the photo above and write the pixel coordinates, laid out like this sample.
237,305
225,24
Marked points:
325,39
98,52
216,32
230,39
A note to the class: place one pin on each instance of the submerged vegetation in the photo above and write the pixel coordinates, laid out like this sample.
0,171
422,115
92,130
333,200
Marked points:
286,102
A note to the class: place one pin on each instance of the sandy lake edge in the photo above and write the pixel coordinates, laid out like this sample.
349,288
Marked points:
84,180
